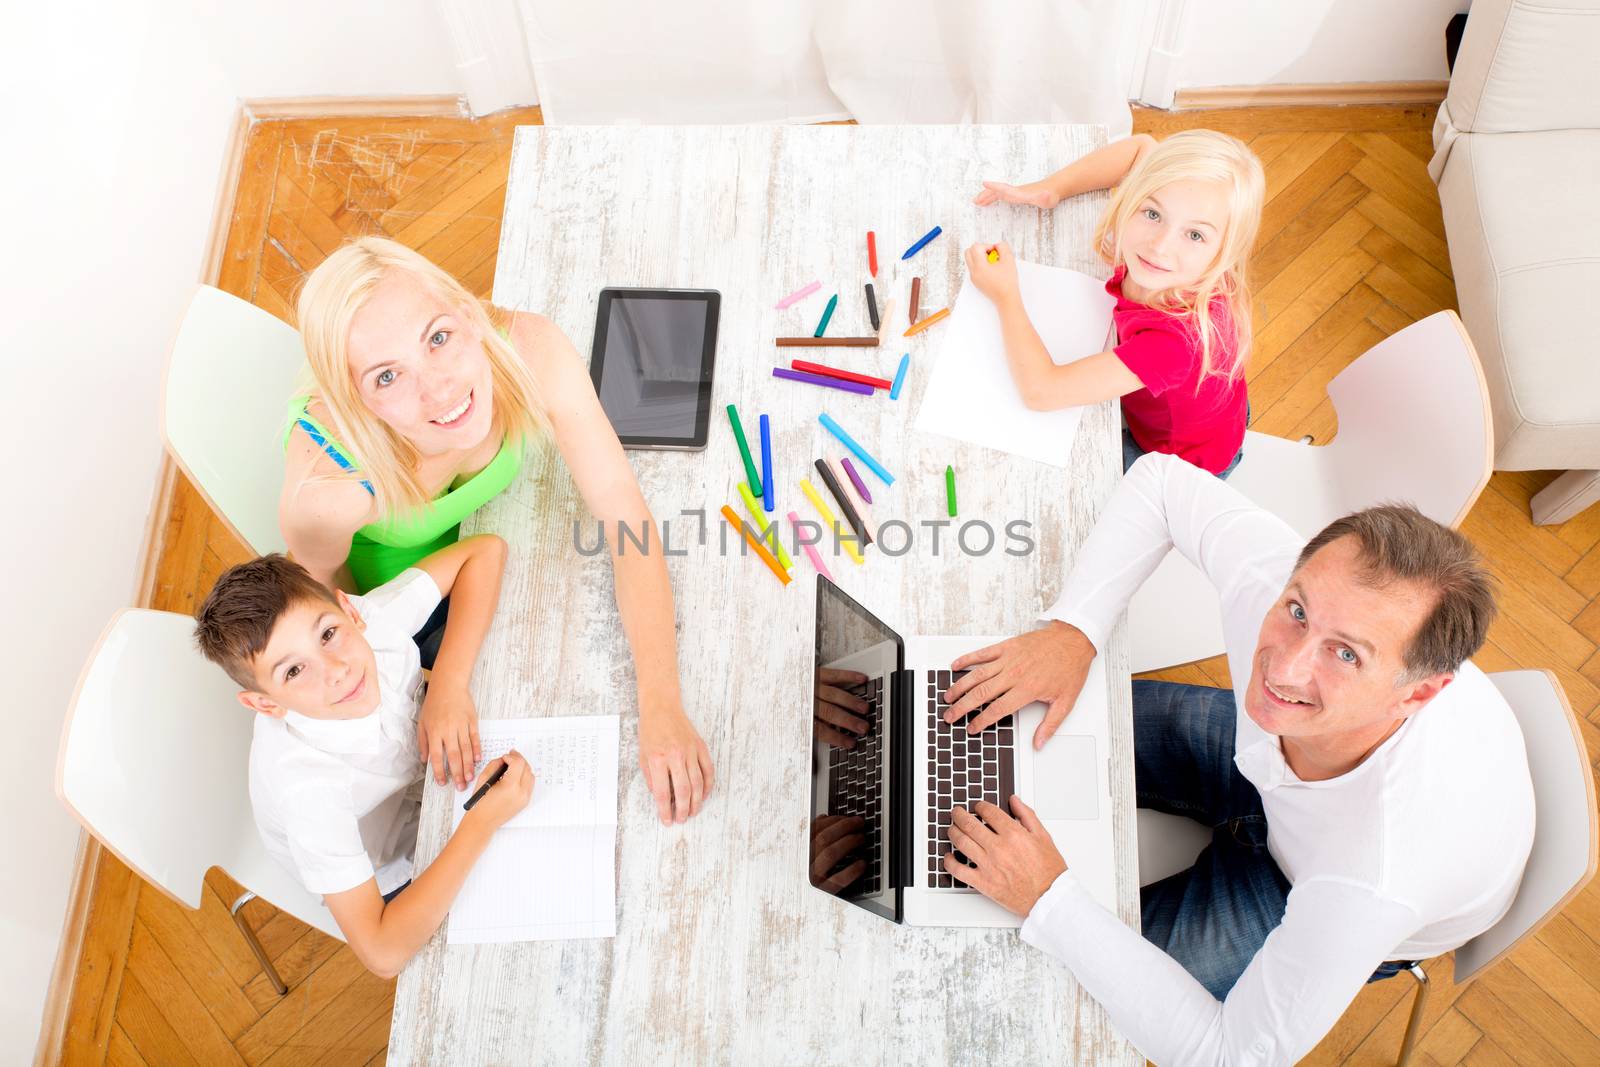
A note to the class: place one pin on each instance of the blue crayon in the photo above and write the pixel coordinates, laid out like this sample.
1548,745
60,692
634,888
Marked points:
766,464
900,377
914,249
850,442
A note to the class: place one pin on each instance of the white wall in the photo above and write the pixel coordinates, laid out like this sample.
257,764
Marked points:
115,122
1259,42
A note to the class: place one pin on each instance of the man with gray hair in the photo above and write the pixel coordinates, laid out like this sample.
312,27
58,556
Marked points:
1371,807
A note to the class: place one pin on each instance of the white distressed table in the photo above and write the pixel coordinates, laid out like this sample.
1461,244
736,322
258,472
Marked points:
724,953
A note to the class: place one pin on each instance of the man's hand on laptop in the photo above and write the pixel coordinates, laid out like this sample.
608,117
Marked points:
836,861
1048,664
839,713
1010,861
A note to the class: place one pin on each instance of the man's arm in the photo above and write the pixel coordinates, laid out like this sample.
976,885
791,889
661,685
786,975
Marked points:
1332,937
468,572
1164,503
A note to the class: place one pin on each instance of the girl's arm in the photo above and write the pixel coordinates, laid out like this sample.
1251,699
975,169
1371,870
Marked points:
675,761
1044,385
1100,169
318,516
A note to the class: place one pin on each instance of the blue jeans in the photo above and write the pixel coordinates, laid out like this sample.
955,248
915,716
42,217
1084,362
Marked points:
1213,917
1131,453
431,636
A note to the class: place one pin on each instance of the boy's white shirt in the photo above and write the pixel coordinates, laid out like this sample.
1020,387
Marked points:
337,800
1409,855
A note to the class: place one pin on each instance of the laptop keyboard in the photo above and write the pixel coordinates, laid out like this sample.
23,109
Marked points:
855,786
962,770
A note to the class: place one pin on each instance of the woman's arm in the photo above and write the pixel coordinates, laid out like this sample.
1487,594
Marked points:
319,512
1100,169
676,764
1044,385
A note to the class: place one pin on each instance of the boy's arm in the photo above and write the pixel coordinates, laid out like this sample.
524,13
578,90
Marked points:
385,936
468,572
1100,169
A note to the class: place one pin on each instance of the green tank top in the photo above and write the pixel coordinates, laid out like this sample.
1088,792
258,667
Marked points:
380,550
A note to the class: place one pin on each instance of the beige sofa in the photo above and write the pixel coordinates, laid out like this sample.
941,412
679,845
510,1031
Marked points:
1517,162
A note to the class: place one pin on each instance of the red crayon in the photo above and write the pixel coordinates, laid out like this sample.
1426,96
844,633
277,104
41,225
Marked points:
842,375
872,253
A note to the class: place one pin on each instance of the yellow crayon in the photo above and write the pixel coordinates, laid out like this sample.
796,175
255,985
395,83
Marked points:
848,539
753,506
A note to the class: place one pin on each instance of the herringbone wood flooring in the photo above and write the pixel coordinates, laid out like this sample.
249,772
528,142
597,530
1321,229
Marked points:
1352,248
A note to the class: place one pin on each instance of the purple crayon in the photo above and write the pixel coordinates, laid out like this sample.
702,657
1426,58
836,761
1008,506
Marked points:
817,379
855,479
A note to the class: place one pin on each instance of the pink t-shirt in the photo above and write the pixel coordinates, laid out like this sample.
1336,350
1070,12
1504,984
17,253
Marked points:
1167,415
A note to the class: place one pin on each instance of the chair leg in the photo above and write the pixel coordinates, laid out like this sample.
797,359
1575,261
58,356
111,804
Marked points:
1563,498
1415,1022
255,943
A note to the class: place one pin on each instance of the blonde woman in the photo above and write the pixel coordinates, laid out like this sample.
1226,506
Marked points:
1178,234
419,413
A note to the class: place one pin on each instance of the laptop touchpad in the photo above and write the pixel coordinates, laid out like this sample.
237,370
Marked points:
1065,782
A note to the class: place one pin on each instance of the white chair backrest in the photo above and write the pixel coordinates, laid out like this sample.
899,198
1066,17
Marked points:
1414,427
1414,422
154,762
1566,840
224,406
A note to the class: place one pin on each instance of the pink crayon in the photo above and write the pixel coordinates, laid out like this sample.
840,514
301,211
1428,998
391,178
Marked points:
798,294
816,560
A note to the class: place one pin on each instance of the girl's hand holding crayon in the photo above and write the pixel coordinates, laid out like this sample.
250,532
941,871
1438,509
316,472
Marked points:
1037,194
996,280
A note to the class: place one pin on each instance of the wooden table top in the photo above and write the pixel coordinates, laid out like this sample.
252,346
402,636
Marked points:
724,953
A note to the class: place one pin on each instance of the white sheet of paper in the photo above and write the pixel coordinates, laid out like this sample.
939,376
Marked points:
549,872
971,395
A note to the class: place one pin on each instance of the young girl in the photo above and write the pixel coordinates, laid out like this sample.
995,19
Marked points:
1177,234
418,414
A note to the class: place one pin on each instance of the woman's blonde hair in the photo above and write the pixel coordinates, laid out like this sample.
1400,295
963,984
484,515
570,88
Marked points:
1207,156
330,298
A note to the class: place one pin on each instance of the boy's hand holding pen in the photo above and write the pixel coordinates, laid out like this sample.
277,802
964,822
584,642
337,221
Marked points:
503,789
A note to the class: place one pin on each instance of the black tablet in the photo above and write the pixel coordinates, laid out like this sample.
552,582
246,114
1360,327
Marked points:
653,354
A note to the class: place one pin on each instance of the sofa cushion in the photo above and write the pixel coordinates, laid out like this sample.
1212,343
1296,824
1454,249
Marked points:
1524,230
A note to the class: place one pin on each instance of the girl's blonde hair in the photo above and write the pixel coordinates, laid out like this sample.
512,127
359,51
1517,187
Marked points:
332,295
1207,156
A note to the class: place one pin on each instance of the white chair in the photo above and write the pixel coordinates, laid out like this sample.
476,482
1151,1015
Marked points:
1566,843
224,405
1414,427
153,763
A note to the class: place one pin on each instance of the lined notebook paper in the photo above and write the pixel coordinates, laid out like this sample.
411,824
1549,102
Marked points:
549,872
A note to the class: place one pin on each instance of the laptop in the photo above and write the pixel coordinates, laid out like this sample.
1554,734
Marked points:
905,775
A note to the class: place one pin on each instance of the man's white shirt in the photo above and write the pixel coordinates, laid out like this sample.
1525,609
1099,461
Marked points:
1409,855
337,800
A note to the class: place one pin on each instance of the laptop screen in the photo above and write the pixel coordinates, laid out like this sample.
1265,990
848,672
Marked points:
856,665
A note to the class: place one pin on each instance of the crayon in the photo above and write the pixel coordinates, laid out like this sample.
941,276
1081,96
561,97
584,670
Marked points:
914,249
900,377
766,557
830,519
744,449
855,478
821,379
843,375
798,295
929,321
827,313
850,442
766,461
816,560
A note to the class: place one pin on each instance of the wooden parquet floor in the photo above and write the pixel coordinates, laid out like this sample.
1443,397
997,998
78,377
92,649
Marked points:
1352,248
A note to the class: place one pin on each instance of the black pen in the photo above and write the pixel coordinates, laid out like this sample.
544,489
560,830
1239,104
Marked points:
484,788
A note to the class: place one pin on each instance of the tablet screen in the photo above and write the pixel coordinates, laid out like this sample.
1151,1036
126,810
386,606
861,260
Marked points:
653,355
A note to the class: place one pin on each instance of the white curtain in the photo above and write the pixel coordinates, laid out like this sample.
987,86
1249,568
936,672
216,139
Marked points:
877,61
